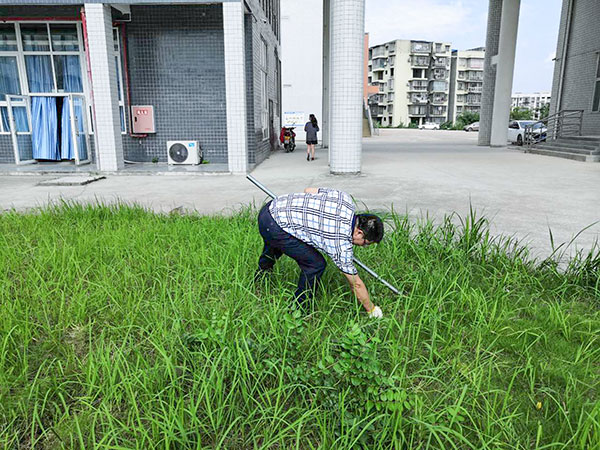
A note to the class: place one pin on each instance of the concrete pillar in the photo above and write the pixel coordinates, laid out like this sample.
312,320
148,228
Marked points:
346,85
505,67
235,86
109,143
489,72
325,101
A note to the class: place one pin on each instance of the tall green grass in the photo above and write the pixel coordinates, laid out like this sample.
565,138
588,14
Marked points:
120,328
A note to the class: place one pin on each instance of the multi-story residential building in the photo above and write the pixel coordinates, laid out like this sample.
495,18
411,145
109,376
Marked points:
466,82
532,102
413,79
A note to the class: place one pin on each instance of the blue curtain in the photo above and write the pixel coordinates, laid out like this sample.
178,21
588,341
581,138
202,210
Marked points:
20,115
44,133
72,83
39,73
9,76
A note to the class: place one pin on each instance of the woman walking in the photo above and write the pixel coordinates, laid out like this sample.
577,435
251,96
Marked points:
311,128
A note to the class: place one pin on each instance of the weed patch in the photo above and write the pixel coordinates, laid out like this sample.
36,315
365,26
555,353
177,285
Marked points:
120,328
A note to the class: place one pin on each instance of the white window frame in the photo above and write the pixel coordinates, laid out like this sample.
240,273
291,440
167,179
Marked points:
264,89
121,76
22,70
596,86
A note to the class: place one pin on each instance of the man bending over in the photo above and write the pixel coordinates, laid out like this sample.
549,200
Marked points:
301,224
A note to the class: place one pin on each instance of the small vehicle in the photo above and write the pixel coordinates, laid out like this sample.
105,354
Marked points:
429,126
516,131
288,138
472,127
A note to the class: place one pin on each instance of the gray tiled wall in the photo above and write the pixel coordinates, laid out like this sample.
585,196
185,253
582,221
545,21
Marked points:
175,59
581,62
260,148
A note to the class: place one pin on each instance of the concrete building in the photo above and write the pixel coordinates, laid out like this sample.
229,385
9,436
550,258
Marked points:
532,101
574,123
302,62
576,83
110,83
413,79
466,82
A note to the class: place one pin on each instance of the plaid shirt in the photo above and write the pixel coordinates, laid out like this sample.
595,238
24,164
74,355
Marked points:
324,221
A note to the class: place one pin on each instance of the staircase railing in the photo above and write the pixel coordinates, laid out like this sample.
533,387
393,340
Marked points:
566,122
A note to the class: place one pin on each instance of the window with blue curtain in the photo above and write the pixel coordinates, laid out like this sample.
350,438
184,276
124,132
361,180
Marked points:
68,74
8,38
9,84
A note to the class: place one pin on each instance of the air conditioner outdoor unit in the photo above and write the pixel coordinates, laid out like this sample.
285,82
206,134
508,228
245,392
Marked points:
184,152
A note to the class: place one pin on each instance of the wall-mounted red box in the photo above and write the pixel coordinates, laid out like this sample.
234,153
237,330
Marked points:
143,119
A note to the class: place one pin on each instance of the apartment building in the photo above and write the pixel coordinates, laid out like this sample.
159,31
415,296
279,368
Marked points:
413,82
533,101
466,82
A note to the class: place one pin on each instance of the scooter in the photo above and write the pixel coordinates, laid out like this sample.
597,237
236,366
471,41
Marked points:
288,139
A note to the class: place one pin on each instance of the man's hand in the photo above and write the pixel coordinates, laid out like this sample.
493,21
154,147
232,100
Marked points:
376,313
360,290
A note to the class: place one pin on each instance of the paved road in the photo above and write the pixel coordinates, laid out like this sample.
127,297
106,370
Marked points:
416,171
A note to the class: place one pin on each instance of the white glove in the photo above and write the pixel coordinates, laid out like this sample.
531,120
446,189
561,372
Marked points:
376,313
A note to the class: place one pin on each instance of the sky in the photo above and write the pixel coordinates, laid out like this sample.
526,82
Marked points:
464,23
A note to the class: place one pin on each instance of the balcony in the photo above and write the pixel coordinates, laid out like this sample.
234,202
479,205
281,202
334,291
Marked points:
439,86
440,74
417,85
475,89
420,47
420,61
377,99
417,110
378,52
475,64
438,111
440,62
417,98
379,64
439,99
475,76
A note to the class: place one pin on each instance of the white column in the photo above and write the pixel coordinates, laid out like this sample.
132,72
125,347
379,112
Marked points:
235,86
346,85
109,143
325,100
505,65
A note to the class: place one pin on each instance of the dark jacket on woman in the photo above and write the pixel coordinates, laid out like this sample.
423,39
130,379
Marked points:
311,131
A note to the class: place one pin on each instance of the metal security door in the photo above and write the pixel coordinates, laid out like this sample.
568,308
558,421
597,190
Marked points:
79,128
19,118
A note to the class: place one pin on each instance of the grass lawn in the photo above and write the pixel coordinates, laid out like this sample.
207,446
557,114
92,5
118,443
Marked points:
120,328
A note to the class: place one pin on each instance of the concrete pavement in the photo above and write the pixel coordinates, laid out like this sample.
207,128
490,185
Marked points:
416,171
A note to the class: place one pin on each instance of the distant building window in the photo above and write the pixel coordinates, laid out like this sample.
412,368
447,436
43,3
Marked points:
596,101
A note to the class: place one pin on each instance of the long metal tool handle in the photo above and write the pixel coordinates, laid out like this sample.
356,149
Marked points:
371,272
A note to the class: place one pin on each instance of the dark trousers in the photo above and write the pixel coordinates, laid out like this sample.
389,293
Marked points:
278,242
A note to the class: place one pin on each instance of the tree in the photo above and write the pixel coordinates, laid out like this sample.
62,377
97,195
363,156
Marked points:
520,114
544,111
466,118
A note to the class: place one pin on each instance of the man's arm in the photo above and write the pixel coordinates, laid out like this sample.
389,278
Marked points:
360,290
311,190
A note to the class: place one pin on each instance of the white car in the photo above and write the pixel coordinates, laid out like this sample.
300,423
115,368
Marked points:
472,127
516,131
429,126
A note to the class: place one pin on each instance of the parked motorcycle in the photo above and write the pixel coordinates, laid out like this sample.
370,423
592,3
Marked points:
288,139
